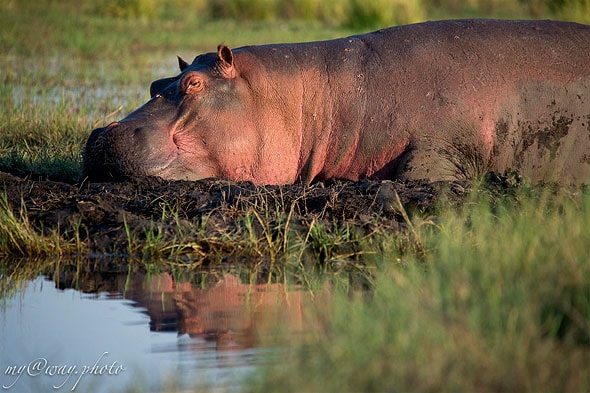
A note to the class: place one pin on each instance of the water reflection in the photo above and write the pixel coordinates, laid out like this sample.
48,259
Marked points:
155,329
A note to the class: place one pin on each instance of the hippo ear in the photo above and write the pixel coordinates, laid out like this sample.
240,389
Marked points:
226,61
181,63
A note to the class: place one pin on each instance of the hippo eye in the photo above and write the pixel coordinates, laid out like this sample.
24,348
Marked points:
192,83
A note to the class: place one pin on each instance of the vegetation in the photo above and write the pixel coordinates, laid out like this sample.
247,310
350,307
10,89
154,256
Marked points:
18,236
500,302
350,13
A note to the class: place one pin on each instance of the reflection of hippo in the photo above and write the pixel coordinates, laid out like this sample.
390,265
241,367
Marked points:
436,100
241,313
224,310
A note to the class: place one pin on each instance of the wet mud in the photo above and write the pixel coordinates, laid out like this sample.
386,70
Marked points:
105,214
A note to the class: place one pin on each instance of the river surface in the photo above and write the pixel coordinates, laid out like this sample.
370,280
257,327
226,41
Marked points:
141,332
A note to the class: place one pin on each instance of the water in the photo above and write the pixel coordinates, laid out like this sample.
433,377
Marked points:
137,331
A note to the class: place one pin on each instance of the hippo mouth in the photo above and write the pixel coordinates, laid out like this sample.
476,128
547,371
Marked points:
161,169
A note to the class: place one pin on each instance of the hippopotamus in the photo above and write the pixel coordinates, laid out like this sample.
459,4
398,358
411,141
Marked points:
440,100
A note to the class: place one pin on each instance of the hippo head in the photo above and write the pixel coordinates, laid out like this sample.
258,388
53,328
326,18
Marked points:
190,121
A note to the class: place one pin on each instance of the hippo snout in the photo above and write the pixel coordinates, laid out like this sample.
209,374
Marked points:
141,144
103,157
126,149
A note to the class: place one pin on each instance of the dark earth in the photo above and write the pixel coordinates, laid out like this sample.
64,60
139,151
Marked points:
106,213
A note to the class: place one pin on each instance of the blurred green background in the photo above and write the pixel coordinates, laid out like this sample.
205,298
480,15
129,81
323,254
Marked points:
346,13
106,27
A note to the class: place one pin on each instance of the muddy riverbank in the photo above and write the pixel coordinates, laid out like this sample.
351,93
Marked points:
208,217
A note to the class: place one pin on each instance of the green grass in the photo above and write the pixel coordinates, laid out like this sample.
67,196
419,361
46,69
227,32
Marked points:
277,240
18,237
500,302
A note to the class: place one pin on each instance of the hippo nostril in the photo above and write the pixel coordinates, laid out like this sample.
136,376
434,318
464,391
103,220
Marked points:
111,126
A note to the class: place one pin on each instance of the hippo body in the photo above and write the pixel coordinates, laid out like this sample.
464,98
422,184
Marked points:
437,101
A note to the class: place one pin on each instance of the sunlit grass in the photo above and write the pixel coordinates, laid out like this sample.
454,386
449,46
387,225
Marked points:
500,302
18,236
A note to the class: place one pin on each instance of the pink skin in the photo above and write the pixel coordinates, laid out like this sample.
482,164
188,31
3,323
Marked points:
437,100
